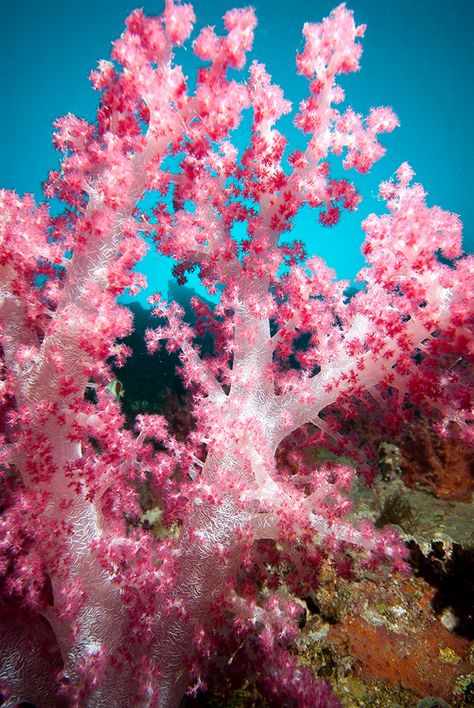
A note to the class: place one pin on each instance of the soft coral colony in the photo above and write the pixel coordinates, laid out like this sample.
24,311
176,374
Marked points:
95,610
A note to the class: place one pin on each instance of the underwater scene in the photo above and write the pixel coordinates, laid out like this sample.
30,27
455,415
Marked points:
236,355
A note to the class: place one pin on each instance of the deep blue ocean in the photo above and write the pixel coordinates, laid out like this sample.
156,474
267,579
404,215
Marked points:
418,58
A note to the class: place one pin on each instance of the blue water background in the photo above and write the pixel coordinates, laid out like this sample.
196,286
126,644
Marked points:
418,58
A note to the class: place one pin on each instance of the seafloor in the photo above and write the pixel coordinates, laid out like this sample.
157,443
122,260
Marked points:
386,640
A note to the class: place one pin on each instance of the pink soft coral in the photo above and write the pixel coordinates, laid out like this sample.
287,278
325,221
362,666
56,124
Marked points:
96,610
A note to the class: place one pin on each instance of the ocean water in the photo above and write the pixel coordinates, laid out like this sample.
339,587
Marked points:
417,58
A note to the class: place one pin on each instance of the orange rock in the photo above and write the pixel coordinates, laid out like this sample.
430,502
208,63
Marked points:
414,661
444,466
